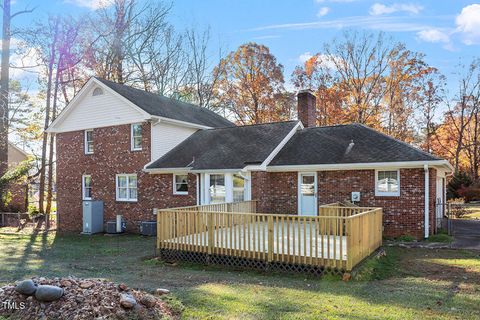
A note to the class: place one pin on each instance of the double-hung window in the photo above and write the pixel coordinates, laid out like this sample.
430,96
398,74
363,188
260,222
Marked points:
387,183
127,187
88,141
217,190
87,187
180,184
136,136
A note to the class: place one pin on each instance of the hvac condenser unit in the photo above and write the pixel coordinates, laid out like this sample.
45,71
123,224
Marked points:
92,217
148,228
112,227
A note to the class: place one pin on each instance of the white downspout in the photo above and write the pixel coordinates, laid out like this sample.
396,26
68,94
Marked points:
197,176
427,202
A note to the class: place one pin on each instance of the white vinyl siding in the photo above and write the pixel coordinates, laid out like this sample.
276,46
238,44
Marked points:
126,187
99,111
387,183
87,187
136,136
88,141
166,136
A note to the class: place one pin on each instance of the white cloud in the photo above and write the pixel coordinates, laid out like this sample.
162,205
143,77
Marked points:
91,4
468,23
433,35
380,9
304,57
323,11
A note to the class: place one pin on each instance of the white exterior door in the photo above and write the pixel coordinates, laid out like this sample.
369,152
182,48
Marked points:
307,194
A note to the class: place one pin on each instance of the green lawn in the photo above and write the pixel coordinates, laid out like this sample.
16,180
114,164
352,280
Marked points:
406,284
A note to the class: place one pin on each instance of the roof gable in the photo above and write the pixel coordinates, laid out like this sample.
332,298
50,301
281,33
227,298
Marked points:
226,148
157,105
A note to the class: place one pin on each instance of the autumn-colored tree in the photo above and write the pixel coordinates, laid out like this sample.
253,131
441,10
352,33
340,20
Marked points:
251,85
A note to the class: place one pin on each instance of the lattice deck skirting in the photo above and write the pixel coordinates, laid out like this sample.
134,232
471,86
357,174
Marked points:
244,263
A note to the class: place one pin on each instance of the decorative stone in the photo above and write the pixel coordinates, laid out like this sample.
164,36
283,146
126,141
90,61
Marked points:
162,291
122,286
86,285
48,293
127,301
26,287
66,283
148,301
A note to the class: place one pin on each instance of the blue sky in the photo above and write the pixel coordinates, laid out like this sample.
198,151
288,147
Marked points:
447,31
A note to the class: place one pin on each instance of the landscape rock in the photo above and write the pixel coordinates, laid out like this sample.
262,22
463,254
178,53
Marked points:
162,291
26,287
127,301
346,276
148,301
122,286
100,301
86,285
48,293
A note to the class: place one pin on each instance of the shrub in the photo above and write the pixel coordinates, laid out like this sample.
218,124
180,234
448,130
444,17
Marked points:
471,193
440,237
406,238
459,180
32,210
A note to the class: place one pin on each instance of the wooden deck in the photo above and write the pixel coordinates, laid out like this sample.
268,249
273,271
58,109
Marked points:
340,237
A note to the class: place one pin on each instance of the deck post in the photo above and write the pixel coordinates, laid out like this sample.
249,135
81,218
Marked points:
348,234
159,229
270,239
210,233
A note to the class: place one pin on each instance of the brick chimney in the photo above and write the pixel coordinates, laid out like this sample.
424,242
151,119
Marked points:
307,108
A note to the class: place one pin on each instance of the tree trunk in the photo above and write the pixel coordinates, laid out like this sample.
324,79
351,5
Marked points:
47,121
4,90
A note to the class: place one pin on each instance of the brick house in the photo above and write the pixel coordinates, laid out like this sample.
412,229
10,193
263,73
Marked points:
137,151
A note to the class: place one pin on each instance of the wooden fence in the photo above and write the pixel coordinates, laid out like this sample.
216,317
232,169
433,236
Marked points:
340,237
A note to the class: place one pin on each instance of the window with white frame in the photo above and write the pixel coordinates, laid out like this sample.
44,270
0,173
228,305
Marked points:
127,187
217,188
387,183
88,141
180,184
238,188
136,136
87,187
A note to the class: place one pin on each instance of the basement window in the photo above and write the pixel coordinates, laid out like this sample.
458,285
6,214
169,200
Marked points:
387,183
126,187
180,184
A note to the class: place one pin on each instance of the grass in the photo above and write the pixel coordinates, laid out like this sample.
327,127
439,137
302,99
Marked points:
405,284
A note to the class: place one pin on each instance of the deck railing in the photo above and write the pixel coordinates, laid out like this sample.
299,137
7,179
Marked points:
340,237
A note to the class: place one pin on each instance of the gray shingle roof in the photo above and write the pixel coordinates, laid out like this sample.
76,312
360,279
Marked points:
226,148
161,106
328,145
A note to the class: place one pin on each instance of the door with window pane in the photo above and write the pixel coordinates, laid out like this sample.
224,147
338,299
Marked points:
308,194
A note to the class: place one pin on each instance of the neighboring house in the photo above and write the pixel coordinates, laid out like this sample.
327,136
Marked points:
16,192
137,151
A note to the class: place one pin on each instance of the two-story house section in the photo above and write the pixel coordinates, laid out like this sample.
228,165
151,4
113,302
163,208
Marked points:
106,136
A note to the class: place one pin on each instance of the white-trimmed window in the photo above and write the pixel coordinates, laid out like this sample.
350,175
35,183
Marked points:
217,190
89,141
97,92
238,188
180,184
87,187
387,183
136,136
126,187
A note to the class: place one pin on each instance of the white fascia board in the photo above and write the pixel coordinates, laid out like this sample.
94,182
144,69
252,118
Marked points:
359,166
166,170
278,148
179,122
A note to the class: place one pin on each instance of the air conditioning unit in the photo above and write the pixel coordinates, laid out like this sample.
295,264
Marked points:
148,228
92,217
112,227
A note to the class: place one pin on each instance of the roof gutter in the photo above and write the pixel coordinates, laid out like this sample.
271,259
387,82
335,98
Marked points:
359,166
179,122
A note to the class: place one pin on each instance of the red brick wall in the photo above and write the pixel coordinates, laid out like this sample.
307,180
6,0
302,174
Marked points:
112,155
17,192
277,193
